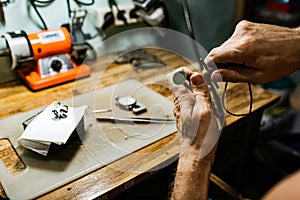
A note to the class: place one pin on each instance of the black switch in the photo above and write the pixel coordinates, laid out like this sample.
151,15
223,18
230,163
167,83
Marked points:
56,65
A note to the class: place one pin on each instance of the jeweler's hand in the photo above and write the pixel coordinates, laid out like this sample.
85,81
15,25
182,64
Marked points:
194,116
257,53
198,137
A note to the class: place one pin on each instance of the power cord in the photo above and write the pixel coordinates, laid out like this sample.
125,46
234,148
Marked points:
250,102
188,22
45,3
39,3
81,3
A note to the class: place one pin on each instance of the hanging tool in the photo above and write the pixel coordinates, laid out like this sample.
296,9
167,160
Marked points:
2,16
80,46
152,12
217,106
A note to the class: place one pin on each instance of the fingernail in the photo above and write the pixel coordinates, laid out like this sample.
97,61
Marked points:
196,80
216,76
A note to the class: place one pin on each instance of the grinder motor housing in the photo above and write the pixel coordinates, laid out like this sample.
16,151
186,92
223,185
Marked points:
43,58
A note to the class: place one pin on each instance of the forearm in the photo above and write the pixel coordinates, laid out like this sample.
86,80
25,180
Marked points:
198,137
192,176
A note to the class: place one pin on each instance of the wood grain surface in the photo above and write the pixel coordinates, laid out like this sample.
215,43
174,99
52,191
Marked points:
107,182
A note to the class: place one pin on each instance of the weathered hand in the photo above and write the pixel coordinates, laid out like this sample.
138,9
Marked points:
199,135
257,53
194,116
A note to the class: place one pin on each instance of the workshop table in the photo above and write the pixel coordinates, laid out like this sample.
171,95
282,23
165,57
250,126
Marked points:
236,143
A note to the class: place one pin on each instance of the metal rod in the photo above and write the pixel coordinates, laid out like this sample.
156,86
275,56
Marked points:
135,120
102,110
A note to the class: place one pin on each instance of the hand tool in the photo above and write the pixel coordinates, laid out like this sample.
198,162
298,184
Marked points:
2,16
135,120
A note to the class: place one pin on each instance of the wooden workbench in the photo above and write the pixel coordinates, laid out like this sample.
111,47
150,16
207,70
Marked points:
108,182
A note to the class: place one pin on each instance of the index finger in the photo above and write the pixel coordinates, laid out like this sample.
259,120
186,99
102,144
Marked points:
223,55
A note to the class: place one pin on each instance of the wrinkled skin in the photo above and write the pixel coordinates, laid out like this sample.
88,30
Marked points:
257,53
195,121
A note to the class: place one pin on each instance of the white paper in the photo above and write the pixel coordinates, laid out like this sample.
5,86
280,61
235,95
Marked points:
46,129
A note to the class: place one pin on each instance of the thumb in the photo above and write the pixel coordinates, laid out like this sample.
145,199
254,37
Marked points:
198,83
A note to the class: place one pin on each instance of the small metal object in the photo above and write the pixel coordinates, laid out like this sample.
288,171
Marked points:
126,102
102,110
60,111
180,78
130,103
135,120
139,108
